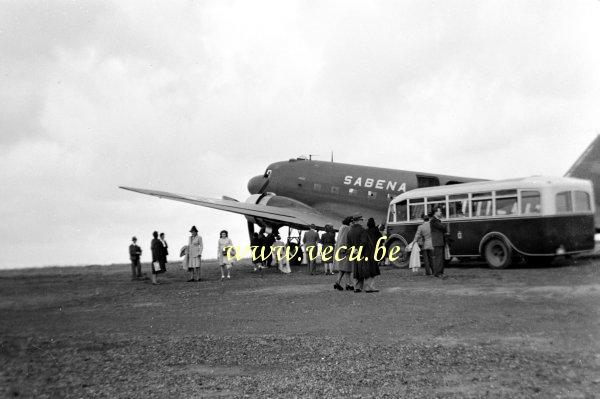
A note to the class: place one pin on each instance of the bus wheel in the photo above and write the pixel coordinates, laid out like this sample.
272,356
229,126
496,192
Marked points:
497,253
401,256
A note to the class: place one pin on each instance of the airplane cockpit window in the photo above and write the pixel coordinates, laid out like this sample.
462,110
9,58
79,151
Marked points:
267,173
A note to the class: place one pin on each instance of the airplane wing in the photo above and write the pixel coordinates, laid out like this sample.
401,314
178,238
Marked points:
296,218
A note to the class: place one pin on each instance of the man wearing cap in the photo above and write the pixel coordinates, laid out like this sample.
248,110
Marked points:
310,240
134,254
194,256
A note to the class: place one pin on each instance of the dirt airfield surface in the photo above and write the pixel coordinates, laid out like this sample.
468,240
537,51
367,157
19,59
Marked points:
91,332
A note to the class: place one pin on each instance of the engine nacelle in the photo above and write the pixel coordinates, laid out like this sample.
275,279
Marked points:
272,199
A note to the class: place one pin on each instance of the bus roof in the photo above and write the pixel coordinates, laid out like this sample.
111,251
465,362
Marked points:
531,182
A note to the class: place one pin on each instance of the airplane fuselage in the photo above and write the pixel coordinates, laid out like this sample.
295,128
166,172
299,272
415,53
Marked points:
339,190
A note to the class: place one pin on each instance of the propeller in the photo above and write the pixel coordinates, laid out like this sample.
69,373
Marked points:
264,186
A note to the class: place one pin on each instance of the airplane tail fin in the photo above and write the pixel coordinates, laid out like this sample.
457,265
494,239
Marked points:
587,167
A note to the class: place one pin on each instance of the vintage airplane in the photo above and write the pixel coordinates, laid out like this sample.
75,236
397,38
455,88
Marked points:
301,191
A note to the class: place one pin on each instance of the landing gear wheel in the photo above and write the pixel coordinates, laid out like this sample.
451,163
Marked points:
401,257
497,253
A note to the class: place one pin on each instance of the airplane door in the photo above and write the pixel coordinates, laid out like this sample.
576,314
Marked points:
427,181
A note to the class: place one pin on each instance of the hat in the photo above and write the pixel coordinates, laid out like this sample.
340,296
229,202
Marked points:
357,217
193,229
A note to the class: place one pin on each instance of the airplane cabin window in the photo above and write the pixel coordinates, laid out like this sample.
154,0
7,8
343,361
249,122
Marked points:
582,201
530,202
563,202
372,194
335,190
353,191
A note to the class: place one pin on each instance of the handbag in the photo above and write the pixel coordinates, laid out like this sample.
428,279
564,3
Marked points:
156,266
231,251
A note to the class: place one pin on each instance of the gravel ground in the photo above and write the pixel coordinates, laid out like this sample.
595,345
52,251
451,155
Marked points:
90,332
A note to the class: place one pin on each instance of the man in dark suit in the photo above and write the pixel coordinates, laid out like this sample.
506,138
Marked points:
438,232
163,251
269,241
134,254
155,248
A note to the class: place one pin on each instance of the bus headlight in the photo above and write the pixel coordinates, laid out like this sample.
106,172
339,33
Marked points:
560,250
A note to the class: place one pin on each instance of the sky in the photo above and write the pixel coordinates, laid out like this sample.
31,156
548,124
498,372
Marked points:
196,97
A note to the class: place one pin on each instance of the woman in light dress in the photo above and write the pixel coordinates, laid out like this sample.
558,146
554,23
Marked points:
193,257
341,261
279,255
225,254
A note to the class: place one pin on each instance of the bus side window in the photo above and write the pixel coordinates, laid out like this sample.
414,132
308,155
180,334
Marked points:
401,211
582,201
458,206
416,210
563,202
530,202
482,207
506,206
392,214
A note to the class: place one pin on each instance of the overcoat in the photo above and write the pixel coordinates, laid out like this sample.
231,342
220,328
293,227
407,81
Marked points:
341,256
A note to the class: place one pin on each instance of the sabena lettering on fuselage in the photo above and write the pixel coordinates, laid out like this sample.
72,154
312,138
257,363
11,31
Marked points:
380,184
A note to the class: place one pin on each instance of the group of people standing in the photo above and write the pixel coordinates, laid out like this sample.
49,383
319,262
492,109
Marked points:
159,249
430,242
352,253
358,272
191,254
268,250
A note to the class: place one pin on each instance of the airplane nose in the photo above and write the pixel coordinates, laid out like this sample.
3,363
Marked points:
255,184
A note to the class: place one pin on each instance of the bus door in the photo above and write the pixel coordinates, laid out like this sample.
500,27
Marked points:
460,236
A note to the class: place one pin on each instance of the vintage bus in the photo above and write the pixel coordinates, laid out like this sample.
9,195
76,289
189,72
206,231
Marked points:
536,218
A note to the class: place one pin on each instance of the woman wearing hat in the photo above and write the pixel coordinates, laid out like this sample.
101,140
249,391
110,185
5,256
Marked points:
225,252
328,243
341,261
194,255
